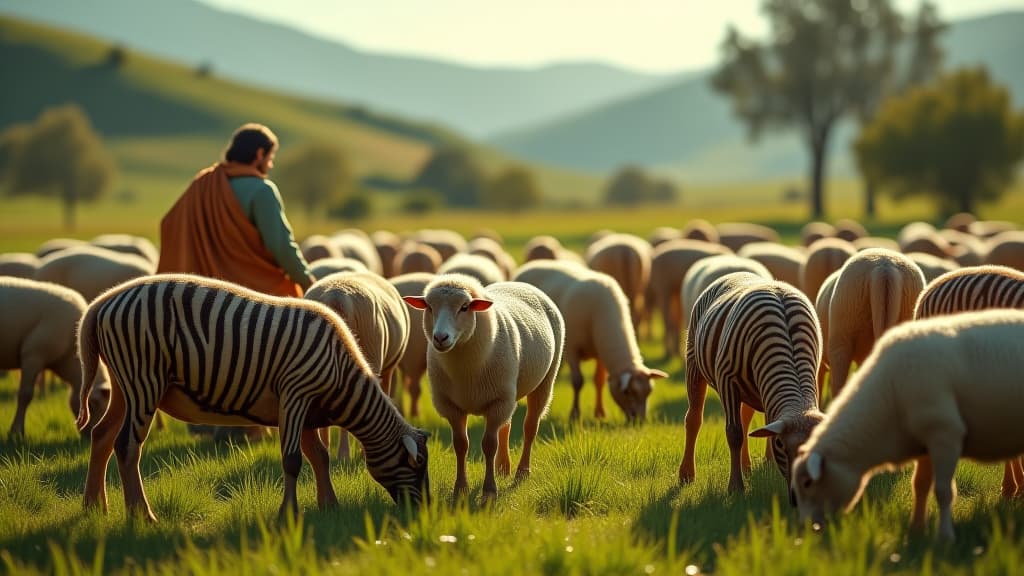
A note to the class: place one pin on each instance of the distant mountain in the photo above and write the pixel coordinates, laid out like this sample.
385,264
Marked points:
688,129
475,101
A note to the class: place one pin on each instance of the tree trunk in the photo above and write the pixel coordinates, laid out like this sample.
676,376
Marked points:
869,200
818,148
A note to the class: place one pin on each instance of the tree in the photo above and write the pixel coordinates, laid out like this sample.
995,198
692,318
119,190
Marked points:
60,154
826,59
454,173
514,189
316,175
631,186
958,140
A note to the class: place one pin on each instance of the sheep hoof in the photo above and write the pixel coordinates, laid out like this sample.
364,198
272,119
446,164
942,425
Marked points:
487,499
522,474
503,468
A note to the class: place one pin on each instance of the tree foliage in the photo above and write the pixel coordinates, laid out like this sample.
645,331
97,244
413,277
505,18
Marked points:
631,186
454,173
316,175
58,155
514,189
826,59
958,140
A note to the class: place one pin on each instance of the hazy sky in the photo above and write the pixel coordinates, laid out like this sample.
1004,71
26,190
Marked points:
651,35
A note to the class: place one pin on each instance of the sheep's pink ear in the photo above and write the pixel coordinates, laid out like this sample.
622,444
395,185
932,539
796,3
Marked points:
773,429
479,304
417,302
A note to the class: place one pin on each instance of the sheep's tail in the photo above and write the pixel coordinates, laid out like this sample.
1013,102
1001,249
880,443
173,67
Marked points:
886,299
88,354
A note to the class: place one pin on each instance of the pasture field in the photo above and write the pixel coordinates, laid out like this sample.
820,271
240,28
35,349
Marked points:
603,499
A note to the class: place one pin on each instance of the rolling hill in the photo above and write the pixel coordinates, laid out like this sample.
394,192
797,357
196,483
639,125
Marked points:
475,101
687,129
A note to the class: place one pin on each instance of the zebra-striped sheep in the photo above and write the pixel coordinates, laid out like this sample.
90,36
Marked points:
971,289
318,247
1006,249
627,259
482,268
40,320
946,387
489,347
90,270
735,235
849,229
784,262
324,267
413,364
669,265
700,229
814,231
823,258
19,264
597,326
416,257
129,244
876,290
374,312
212,352
387,244
704,272
490,248
756,341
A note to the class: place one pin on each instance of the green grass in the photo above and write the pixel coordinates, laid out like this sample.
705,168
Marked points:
603,499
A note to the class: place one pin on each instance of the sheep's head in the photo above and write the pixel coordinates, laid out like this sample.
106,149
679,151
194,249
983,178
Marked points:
823,486
786,436
403,473
449,311
631,389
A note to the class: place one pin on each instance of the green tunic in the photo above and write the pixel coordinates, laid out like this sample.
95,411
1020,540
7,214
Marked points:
261,203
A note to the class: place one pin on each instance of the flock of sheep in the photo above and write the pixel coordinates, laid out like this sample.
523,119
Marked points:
933,320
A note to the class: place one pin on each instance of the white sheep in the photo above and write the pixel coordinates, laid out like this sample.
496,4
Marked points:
373,309
324,267
413,364
447,242
814,231
821,306
932,266
19,264
91,270
480,267
823,258
489,347
597,326
876,290
491,248
387,244
1006,249
700,229
546,247
784,262
946,387
663,234
849,229
318,247
40,324
356,244
669,264
735,235
627,259
57,244
128,244
706,271
413,256
865,242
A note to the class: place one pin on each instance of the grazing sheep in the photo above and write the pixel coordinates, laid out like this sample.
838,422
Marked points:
663,234
482,268
627,259
865,242
547,248
814,231
324,267
447,242
416,257
90,270
757,342
373,309
932,244
212,352
966,249
946,387
972,289
318,247
413,364
488,247
700,229
669,264
387,245
932,266
737,234
849,229
19,264
129,244
489,347
1007,249
823,258
597,326
56,245
876,290
356,244
784,262
40,320
707,270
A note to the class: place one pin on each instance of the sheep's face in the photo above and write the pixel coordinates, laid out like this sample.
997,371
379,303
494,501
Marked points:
823,487
404,475
632,389
449,315
786,437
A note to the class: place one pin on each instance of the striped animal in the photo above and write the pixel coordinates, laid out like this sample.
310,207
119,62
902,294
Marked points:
969,289
211,352
758,344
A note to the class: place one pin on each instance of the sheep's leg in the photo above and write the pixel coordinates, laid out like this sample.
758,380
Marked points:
576,377
696,390
944,457
600,379
292,416
30,371
103,435
734,435
922,485
535,404
320,460
128,451
1018,474
839,360
413,386
489,445
344,451
325,436
1013,478
460,442
503,465
385,380
746,415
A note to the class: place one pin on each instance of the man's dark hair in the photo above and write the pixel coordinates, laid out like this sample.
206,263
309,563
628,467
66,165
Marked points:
247,140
